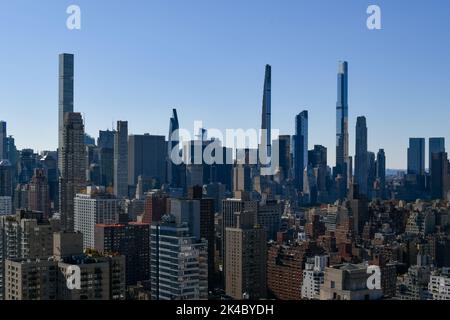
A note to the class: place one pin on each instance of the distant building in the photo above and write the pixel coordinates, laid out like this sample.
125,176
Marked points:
300,148
361,161
416,156
269,217
146,158
38,194
121,160
5,206
435,145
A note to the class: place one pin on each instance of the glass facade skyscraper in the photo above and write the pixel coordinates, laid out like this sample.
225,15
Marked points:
361,160
416,156
436,145
342,153
300,152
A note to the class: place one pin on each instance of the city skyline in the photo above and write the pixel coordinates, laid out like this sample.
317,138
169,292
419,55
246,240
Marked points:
378,83
170,166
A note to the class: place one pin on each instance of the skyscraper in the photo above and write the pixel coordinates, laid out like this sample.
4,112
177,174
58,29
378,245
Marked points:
439,175
381,172
146,158
38,194
66,95
342,144
91,208
416,156
121,160
300,148
361,161
284,145
178,271
266,122
3,142
173,176
436,145
106,139
246,258
73,167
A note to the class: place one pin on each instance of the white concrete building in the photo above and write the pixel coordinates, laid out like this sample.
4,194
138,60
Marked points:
313,277
95,207
439,285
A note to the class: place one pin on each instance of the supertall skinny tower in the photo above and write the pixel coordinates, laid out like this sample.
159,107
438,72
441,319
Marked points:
266,122
65,100
342,156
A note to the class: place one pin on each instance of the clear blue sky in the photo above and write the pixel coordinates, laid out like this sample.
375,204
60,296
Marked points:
135,60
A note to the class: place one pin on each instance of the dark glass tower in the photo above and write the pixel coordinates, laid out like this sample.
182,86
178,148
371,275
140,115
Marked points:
381,172
300,159
361,161
416,156
436,145
342,155
65,105
173,144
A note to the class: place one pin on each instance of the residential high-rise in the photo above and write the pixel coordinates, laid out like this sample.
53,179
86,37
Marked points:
187,212
300,148
3,141
155,207
131,240
25,235
94,207
6,178
66,96
206,226
381,172
342,142
229,208
313,277
146,158
73,167
38,194
361,161
269,217
246,258
435,145
266,122
178,271
121,160
416,156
